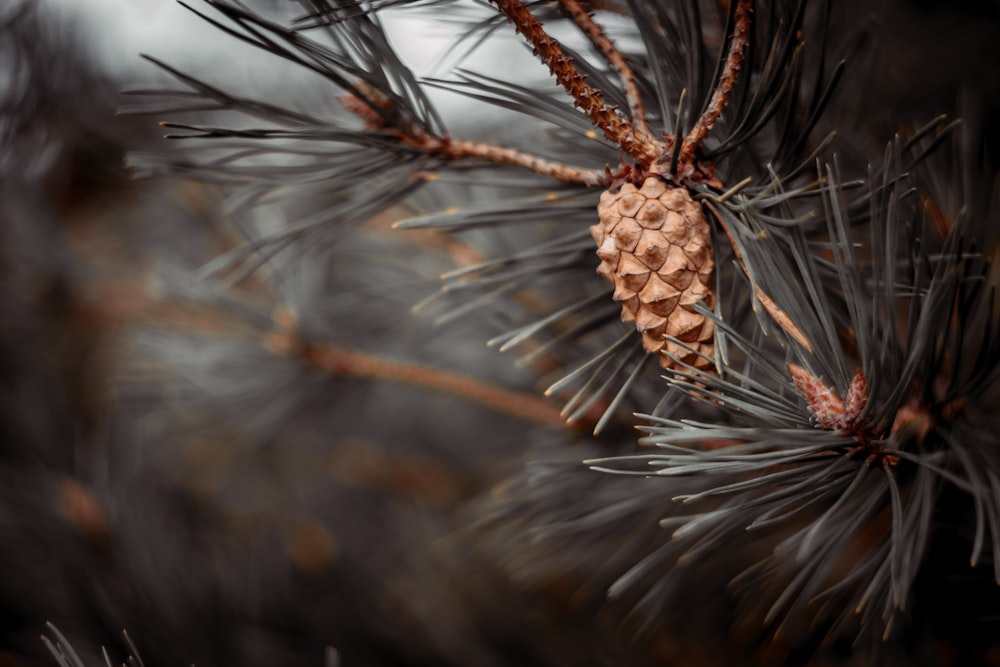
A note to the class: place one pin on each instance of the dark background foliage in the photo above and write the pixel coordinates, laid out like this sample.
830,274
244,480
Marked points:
167,469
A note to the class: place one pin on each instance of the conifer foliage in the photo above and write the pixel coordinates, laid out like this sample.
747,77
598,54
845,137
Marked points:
402,142
801,328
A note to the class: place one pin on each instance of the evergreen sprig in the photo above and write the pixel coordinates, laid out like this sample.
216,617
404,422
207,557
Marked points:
762,97
838,454
855,358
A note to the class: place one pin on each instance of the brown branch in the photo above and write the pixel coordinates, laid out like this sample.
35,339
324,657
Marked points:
590,100
779,315
596,35
727,81
342,361
454,149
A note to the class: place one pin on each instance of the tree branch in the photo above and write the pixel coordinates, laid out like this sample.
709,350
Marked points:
590,100
343,361
727,81
596,35
776,313
453,149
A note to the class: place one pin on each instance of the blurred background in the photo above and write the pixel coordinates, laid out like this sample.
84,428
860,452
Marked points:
171,467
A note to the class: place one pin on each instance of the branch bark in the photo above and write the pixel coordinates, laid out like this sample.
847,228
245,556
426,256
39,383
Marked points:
727,81
598,38
454,149
590,100
776,313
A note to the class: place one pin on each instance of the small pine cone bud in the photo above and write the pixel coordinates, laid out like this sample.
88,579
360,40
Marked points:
656,248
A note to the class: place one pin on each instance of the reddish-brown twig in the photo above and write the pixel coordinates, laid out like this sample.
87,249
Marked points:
590,100
343,361
727,81
596,35
776,313
453,149
456,149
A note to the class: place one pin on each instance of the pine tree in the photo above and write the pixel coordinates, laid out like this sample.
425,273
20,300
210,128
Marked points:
679,237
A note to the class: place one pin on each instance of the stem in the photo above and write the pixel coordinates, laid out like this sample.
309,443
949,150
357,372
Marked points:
336,360
776,313
590,100
727,81
455,149
596,35
342,361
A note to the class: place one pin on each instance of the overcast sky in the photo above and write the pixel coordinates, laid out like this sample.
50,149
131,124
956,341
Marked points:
119,30
122,29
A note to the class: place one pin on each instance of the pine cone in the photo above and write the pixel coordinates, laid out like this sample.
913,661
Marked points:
656,247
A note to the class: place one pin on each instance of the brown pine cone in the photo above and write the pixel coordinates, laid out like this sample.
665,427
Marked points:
656,247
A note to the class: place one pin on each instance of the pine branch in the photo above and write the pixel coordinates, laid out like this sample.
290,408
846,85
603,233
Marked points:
341,361
596,34
776,313
727,81
590,100
456,149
